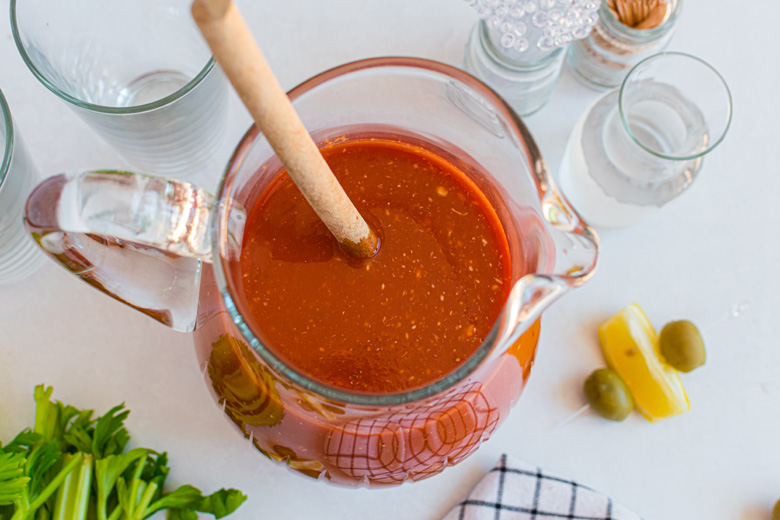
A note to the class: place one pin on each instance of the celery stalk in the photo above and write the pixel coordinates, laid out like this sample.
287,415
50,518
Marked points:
49,490
73,466
73,495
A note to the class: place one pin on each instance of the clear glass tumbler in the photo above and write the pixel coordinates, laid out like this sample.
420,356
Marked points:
19,256
640,146
139,73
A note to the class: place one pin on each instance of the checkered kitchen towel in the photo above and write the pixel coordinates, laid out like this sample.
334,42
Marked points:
514,490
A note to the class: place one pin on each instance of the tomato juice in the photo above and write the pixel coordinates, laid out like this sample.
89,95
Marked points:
398,322
407,316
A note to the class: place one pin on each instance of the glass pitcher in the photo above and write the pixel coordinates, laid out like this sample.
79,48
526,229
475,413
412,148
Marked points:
170,250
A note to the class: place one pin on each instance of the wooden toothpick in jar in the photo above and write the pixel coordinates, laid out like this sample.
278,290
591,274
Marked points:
627,32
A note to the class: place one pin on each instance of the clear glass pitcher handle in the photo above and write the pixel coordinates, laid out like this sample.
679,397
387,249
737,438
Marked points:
577,247
137,238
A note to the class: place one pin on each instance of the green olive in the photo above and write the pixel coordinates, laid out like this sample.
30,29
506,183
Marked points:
776,511
682,346
608,395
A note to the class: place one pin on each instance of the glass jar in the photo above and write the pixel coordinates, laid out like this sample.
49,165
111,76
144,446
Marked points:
525,79
604,58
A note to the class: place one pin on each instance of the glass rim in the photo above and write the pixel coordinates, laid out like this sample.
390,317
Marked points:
5,164
640,35
711,146
170,98
220,234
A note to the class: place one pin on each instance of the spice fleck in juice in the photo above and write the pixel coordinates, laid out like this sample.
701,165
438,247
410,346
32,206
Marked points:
406,318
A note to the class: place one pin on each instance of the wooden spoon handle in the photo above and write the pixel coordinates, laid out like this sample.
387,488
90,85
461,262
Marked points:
237,53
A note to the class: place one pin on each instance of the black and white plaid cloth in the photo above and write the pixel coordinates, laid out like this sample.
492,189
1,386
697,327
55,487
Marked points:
515,490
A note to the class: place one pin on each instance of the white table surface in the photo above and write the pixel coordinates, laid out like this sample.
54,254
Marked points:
712,248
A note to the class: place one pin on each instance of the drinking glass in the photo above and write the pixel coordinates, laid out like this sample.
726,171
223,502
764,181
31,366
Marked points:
640,146
137,72
19,256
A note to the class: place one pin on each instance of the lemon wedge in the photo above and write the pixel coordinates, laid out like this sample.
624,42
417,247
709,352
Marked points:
630,345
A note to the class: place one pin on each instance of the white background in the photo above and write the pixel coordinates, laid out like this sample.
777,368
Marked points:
714,247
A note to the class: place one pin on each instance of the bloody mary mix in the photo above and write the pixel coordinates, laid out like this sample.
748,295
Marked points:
401,320
411,314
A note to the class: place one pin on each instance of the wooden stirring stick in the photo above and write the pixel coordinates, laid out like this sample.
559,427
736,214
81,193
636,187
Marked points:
245,66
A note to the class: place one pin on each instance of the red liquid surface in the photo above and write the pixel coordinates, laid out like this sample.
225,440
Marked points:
329,316
406,317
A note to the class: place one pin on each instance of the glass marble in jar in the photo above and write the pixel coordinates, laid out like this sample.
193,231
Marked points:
524,76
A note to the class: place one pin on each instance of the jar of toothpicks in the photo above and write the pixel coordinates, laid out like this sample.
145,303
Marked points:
627,32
